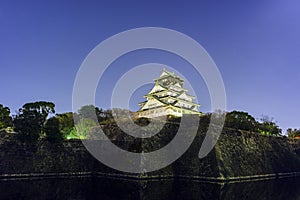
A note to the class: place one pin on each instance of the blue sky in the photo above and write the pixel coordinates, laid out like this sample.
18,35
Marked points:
255,44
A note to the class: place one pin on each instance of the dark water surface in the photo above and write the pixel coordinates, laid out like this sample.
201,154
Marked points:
101,188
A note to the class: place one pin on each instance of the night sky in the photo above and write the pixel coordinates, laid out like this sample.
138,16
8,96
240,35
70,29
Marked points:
255,44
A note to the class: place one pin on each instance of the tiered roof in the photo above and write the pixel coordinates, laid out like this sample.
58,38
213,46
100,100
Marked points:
168,91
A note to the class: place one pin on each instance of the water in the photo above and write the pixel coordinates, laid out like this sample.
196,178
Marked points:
108,189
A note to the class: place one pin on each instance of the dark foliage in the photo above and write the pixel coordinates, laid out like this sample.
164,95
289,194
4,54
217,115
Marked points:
5,118
27,124
31,118
241,121
52,130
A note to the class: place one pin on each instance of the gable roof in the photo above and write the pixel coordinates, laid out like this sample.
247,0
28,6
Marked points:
166,73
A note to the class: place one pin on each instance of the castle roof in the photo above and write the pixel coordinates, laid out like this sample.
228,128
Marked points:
168,92
166,73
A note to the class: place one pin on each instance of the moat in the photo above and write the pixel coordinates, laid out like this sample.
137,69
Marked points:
108,189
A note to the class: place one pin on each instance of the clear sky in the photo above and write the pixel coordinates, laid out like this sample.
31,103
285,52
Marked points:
255,44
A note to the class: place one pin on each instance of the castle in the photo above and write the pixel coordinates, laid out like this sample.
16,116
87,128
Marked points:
168,98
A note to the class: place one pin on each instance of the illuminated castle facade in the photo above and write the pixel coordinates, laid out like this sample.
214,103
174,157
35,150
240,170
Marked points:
168,97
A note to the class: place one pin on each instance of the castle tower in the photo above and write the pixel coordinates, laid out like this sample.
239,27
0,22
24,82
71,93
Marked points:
168,97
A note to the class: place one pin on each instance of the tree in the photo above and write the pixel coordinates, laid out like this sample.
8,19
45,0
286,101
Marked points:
293,133
41,108
31,118
268,127
52,130
94,113
66,122
27,125
108,114
240,120
101,114
5,118
83,128
89,112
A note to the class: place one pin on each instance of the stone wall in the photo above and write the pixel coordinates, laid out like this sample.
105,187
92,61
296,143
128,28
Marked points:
242,155
237,155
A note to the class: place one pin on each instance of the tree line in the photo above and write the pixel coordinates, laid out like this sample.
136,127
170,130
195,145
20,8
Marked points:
37,120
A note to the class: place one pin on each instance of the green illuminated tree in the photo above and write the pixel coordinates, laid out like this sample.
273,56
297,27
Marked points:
66,122
83,128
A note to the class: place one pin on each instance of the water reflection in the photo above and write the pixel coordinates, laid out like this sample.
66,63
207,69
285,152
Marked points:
100,188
